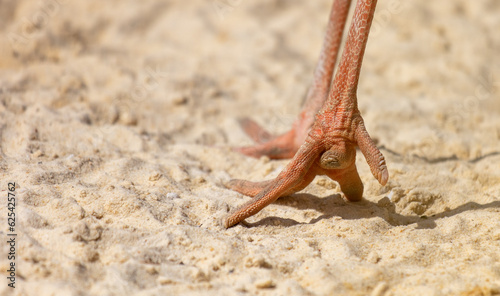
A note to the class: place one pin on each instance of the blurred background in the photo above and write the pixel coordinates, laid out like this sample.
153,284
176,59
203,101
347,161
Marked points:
183,72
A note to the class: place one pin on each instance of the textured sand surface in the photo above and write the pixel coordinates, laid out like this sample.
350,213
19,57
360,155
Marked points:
116,119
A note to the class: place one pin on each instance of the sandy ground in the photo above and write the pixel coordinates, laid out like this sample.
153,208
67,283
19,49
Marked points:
116,119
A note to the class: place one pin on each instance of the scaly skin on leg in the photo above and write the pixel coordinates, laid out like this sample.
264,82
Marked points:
291,177
248,187
280,147
286,145
330,146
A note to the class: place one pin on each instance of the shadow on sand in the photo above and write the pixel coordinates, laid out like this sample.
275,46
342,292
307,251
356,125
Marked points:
335,206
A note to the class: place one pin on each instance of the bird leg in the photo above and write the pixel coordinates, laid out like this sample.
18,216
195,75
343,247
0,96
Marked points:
330,146
286,145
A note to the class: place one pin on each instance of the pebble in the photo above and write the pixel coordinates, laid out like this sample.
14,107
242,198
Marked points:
264,283
172,195
155,177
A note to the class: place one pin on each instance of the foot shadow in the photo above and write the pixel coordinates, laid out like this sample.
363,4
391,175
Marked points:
335,206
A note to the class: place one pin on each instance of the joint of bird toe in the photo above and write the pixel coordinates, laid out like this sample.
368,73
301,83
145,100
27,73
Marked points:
339,156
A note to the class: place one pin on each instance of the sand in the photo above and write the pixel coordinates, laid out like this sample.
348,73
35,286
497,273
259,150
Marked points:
117,118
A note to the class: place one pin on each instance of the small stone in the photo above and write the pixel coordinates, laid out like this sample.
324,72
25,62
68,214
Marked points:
172,195
37,154
373,257
98,213
199,180
396,194
161,280
256,260
180,100
86,232
155,177
264,284
151,269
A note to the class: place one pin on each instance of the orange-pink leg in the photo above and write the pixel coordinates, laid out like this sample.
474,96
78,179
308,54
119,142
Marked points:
280,147
250,188
286,145
296,175
349,181
330,145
